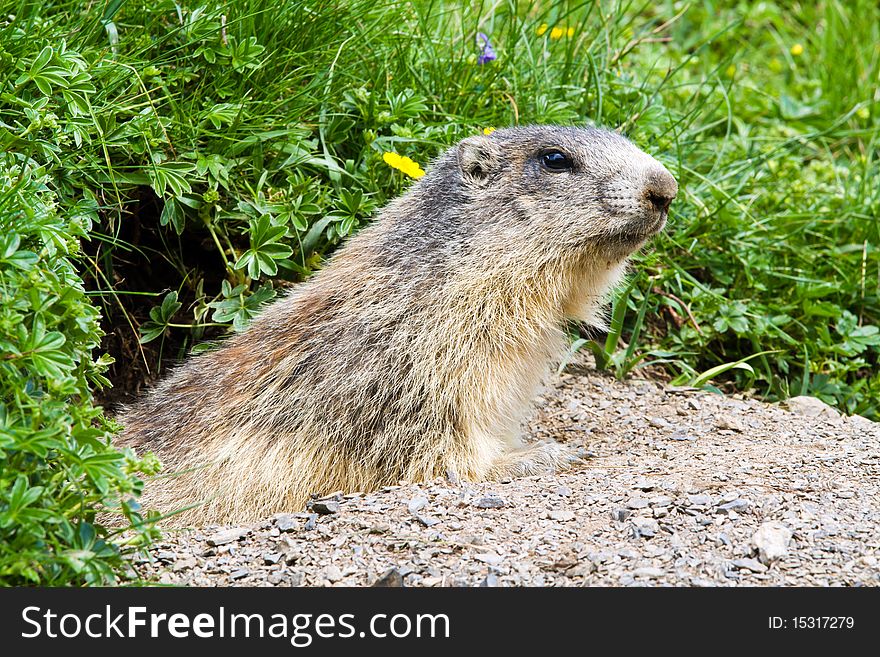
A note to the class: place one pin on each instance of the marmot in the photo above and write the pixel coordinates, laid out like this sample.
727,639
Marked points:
416,351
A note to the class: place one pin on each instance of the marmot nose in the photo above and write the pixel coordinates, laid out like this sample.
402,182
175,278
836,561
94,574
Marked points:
660,189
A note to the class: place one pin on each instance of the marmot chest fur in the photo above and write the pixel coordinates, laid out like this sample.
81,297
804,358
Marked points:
416,351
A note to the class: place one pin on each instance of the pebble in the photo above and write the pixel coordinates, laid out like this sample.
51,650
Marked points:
332,573
228,535
490,558
490,580
184,564
326,507
810,407
311,523
561,516
239,574
734,505
489,502
286,522
620,514
427,521
681,434
646,527
271,558
391,578
700,500
648,572
771,541
416,504
750,564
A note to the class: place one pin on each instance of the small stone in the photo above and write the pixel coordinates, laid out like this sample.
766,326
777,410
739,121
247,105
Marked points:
228,536
490,558
845,495
771,541
427,521
166,556
734,506
416,504
637,503
239,574
648,572
332,574
391,578
292,556
563,491
810,407
271,558
620,514
561,516
700,500
582,569
681,434
452,477
490,580
184,564
489,502
311,523
729,423
646,527
286,522
660,500
750,564
658,422
326,507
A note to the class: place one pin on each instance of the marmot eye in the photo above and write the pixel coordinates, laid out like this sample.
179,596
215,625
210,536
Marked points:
556,161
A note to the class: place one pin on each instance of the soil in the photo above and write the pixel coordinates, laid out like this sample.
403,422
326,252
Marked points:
678,487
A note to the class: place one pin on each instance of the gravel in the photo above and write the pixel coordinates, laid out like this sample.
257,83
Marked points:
680,487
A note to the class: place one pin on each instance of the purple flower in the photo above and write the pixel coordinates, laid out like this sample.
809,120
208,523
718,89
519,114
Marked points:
488,53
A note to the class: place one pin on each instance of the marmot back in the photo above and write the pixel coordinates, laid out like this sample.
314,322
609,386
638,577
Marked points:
417,349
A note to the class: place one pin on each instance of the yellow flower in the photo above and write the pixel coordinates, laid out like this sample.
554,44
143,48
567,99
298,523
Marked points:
570,32
731,71
797,49
488,131
403,163
542,28
556,33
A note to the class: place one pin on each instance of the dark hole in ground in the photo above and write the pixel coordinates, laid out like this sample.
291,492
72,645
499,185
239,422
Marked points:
146,261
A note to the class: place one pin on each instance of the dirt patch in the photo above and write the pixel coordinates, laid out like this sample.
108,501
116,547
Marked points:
679,487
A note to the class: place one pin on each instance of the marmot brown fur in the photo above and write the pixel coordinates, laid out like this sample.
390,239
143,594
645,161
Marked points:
417,349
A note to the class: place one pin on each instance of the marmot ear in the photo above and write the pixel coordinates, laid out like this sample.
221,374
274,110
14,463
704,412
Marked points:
479,158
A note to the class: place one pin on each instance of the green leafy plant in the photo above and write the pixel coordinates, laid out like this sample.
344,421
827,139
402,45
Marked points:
58,469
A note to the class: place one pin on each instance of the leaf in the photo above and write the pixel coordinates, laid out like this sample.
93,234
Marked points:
171,175
172,213
41,60
724,367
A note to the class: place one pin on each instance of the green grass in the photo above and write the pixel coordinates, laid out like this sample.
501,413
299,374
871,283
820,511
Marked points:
225,148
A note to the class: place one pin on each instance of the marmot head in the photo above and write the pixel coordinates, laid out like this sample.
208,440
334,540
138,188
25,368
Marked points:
577,190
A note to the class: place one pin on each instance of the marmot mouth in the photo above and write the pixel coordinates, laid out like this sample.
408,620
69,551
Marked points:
643,230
